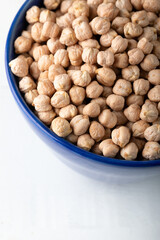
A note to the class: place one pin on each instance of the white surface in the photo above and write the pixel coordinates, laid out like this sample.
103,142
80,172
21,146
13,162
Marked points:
41,198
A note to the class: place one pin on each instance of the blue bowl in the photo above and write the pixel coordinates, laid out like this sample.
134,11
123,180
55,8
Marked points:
61,146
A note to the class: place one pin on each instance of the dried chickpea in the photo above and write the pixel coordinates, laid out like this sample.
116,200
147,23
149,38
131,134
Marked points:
65,20
124,4
122,87
42,103
71,137
141,18
132,44
80,108
100,25
130,151
145,45
61,127
119,44
77,95
108,10
132,30
149,112
118,24
106,39
106,91
157,25
54,44
121,60
27,34
30,96
83,31
115,102
135,56
92,110
101,101
65,5
135,99
132,112
138,128
60,99
43,76
32,15
26,84
22,44
137,4
46,117
108,148
89,55
68,37
80,78
107,118
62,82
45,62
39,51
36,33
45,88
75,55
151,17
68,112
55,70
151,151
105,58
71,67
131,73
156,48
141,86
121,119
79,20
51,4
139,143
61,57
85,141
124,13
79,8
34,70
150,33
96,131
91,69
94,90
80,124
149,63
151,5
152,133
154,94
91,43
50,30
154,77
121,136
19,66
129,125
95,149
106,76
157,121
47,16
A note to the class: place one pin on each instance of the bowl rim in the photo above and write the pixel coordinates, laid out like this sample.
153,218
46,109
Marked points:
42,127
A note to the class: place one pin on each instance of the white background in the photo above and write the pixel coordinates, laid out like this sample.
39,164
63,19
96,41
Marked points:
41,198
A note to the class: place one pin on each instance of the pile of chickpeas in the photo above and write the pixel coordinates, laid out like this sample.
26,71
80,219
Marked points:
91,71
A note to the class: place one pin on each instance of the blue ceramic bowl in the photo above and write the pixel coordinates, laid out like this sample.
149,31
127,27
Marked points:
65,149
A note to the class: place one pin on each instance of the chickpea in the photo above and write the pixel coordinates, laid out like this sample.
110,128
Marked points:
140,17
71,137
150,33
54,44
92,110
139,143
89,55
154,77
135,56
71,67
80,78
137,99
151,5
75,55
57,110
51,4
36,33
138,128
129,125
19,66
30,96
106,76
101,101
149,63
45,62
34,70
80,108
80,124
149,112
47,16
157,25
154,94
32,15
121,136
119,44
151,17
77,95
141,86
91,69
132,44
132,112
61,57
152,133
124,4
65,21
131,73
46,117
100,25
43,76
124,13
121,119
39,51
96,150
34,45
106,39
55,70
85,142
60,99
108,148
91,43
26,84
130,151
151,151
42,103
79,20
118,24
108,10
96,131
137,4
94,90
27,34
107,118
106,91
159,107
68,112
122,87
65,5
121,60
105,58
45,88
62,82
50,30
156,48
79,8
83,31
68,37
115,102
61,127
22,45
132,30
145,45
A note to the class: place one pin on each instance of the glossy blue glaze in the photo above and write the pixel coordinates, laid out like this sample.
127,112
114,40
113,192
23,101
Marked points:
65,149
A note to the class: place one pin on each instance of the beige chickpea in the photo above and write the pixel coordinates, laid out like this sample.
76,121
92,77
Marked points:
151,17
145,45
71,137
83,31
115,102
55,70
107,133
132,30
57,111
100,25
58,13
85,141
106,91
124,4
150,33
34,70
91,69
61,57
108,148
80,108
106,39
122,87
43,76
157,25
68,37
32,15
80,78
118,24
154,77
54,44
71,67
101,101
42,103
151,5
51,4
139,143
77,95
92,110
119,44
149,112
65,20
92,11
141,18
50,30
105,58
150,62
121,136
141,86
108,10
89,55
79,8
68,112
121,60
107,118
156,48
79,20
151,151
124,13
136,56
94,90
133,98
80,124
75,55
96,131
39,51
137,4
22,45
47,16
94,2
60,99
19,66
132,43
154,94
132,112
91,43
96,150
131,73
45,62
106,76
138,128
45,88
130,151
26,84
27,34
129,125
157,121
36,33
30,96
62,82
159,107
61,127
46,117
152,133
121,119
65,5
